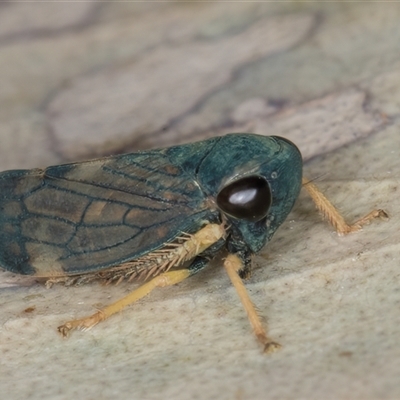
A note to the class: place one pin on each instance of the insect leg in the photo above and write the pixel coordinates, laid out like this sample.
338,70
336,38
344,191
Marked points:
207,240
329,211
166,279
233,264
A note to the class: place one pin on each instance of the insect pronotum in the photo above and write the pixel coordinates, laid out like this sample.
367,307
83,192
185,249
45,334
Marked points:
146,214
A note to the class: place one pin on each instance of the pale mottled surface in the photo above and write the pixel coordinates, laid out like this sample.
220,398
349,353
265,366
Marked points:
90,79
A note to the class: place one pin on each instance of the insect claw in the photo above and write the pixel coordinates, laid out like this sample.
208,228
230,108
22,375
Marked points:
64,329
271,347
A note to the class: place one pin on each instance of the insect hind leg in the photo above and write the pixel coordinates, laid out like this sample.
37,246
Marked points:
206,242
166,279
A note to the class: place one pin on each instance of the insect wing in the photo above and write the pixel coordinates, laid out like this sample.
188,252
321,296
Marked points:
84,217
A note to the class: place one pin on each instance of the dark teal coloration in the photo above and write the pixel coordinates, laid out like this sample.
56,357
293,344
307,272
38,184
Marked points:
86,217
225,159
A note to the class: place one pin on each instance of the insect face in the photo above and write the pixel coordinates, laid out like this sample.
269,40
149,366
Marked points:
257,186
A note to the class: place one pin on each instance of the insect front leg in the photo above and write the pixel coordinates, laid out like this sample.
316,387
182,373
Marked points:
329,211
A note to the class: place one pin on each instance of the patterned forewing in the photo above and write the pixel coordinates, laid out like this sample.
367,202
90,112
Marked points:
85,217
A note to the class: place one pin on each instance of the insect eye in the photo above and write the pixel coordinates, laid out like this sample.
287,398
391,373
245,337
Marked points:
247,198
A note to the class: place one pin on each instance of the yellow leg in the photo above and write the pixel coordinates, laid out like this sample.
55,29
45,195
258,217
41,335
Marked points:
329,211
166,279
232,265
189,249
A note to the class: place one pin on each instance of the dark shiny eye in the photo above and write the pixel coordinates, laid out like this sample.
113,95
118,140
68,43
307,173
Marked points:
247,198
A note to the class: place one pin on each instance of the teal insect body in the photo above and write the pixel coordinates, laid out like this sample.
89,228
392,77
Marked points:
88,217
160,214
